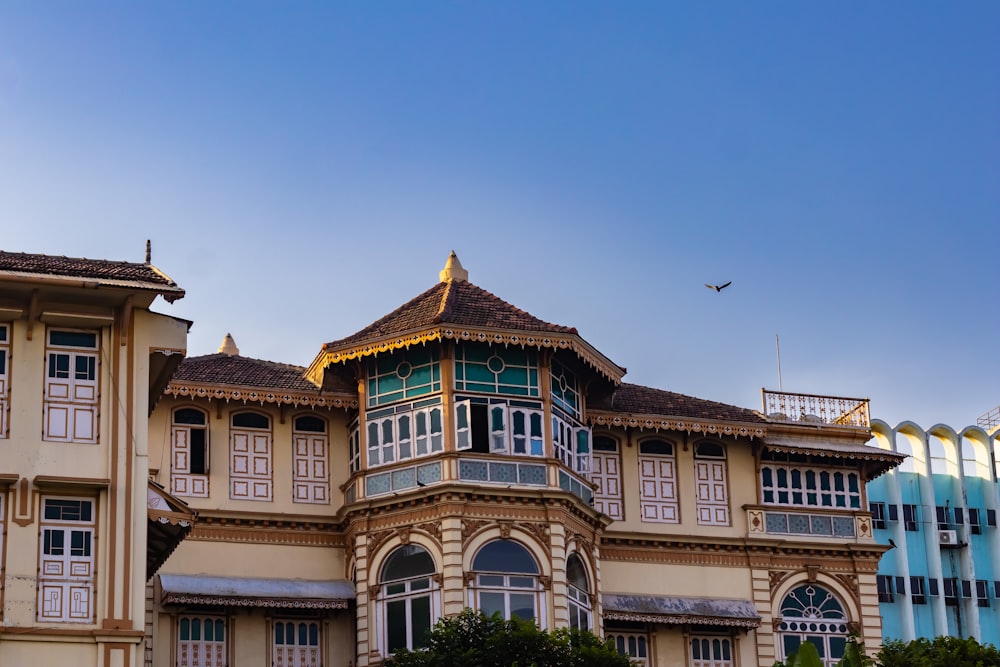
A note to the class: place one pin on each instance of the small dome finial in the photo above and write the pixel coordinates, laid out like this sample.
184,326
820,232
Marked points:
453,270
228,346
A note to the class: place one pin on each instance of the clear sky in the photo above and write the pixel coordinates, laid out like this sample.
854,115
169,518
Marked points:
303,168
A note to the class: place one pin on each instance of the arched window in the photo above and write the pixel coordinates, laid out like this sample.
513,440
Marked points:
311,471
712,487
250,457
506,580
578,592
810,613
409,599
189,453
658,482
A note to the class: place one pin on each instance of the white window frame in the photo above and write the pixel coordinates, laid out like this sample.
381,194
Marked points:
201,652
852,499
5,331
659,500
66,579
607,476
183,482
581,612
419,587
311,464
294,653
716,647
503,440
711,486
507,585
71,405
635,645
253,479
404,442
354,441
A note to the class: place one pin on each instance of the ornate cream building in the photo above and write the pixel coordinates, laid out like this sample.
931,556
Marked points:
460,452
83,362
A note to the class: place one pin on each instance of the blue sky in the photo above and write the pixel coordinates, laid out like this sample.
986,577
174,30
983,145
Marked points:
304,168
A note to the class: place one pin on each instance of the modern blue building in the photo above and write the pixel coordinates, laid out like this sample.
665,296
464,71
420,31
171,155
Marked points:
939,511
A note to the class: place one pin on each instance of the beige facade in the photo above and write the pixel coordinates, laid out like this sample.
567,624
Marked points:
82,362
459,452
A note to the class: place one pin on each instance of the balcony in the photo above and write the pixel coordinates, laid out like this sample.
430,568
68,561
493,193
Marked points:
780,406
808,522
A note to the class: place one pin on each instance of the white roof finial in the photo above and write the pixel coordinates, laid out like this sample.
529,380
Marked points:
453,270
228,346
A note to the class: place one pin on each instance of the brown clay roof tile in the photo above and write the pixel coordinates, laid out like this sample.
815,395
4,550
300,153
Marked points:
457,303
92,269
242,371
636,399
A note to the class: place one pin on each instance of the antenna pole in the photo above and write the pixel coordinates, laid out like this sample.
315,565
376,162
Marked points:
777,348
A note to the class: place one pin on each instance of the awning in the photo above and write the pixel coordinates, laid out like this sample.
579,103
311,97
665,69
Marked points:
252,592
671,610
169,520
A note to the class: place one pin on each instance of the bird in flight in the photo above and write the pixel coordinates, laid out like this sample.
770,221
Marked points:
719,288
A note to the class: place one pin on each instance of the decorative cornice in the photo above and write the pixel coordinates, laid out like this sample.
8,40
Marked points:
260,531
553,341
261,395
659,423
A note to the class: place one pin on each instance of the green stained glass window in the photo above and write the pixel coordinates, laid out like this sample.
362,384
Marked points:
403,375
488,369
565,393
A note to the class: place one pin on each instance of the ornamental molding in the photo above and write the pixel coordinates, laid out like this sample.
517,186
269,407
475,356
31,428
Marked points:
667,619
658,423
262,396
254,531
542,340
268,603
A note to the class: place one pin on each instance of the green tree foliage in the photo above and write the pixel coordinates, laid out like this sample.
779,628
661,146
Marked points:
808,656
939,652
472,639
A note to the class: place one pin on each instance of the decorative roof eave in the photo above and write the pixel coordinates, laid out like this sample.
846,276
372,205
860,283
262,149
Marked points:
251,602
683,619
689,425
262,395
541,339
882,460
168,292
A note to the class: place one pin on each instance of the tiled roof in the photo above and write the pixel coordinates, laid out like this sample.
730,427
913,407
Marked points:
242,371
101,270
639,400
457,303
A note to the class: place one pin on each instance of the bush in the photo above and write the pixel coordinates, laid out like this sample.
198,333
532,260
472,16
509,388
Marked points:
473,639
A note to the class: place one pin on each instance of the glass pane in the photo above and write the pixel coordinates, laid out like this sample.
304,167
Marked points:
185,629
303,634
220,630
251,420
504,556
311,424
314,634
279,633
209,626
189,416
491,603
73,339
420,610
196,629
576,574
522,605
406,562
395,621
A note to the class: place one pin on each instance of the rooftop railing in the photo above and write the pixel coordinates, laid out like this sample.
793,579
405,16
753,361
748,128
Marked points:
990,420
783,406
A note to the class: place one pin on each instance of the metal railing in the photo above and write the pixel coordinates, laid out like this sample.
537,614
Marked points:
815,409
990,420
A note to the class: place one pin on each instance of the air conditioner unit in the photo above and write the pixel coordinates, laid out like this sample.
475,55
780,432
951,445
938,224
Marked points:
948,538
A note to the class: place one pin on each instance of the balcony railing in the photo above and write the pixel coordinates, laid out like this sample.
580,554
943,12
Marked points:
783,406
990,420
808,522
